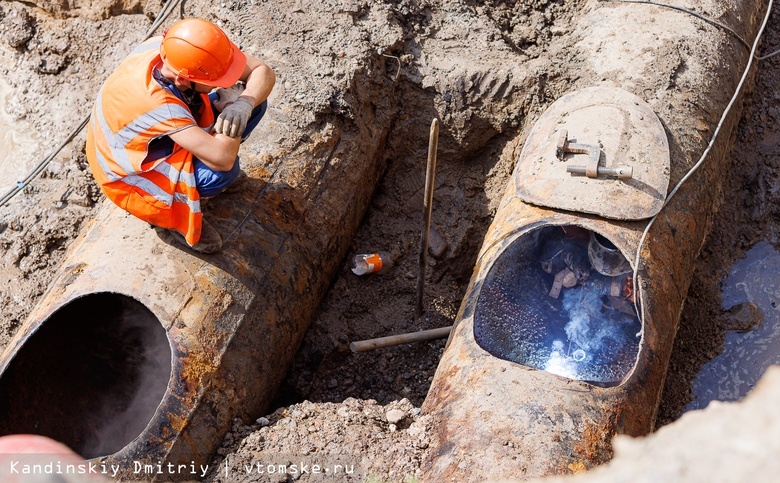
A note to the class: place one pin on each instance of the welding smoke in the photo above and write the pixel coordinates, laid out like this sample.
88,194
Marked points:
593,323
126,413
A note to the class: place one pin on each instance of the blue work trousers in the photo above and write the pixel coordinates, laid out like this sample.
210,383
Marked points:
211,182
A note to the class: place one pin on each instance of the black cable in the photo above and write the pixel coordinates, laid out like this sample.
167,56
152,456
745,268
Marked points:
20,185
767,56
688,11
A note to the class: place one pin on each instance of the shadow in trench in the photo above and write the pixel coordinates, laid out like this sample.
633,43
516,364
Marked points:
90,377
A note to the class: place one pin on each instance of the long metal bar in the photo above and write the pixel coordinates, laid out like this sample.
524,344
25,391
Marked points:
430,174
393,340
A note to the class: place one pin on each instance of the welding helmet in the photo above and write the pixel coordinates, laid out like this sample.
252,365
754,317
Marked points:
199,51
605,257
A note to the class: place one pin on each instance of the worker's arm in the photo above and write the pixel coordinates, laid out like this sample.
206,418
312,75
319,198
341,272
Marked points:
218,152
259,80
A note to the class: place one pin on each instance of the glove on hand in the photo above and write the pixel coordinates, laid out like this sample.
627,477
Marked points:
228,96
233,120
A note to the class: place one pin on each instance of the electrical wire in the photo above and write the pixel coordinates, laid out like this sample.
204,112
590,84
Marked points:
690,12
165,12
21,184
638,294
768,56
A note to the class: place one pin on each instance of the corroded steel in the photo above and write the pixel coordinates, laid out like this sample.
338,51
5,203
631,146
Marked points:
498,420
234,319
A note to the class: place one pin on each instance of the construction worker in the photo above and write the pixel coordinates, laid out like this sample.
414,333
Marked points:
167,124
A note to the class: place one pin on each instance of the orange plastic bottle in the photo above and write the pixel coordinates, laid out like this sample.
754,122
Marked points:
364,263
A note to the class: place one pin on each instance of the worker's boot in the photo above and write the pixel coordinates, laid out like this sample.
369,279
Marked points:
210,241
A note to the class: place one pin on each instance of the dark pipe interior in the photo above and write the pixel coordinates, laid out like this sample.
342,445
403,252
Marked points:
604,241
587,331
91,377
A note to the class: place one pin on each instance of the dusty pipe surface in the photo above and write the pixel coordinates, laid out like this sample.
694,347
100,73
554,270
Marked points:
502,420
231,322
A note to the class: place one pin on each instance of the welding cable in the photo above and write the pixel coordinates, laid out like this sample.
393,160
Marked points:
768,56
165,12
690,12
638,295
21,184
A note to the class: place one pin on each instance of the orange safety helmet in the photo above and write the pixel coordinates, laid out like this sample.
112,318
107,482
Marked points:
199,51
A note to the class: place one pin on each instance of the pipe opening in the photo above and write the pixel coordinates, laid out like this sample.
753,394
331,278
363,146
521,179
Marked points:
91,377
604,241
559,299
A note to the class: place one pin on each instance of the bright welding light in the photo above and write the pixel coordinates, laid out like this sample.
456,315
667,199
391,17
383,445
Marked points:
559,364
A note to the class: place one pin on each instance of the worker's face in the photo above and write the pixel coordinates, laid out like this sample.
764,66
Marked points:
182,84
202,88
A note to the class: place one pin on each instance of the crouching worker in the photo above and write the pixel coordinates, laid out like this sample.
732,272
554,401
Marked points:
159,140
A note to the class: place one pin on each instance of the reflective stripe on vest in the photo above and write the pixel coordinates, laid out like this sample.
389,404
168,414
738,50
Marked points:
131,110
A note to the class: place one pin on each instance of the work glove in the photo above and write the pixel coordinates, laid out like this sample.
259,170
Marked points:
227,96
233,120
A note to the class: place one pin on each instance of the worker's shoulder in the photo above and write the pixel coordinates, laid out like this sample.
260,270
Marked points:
152,44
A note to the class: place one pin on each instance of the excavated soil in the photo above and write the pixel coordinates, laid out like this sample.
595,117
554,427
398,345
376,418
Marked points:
485,69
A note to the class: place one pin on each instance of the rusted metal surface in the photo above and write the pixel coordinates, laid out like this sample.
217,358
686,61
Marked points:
234,319
617,135
495,417
499,420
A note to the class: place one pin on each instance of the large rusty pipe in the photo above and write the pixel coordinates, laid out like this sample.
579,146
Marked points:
497,418
218,332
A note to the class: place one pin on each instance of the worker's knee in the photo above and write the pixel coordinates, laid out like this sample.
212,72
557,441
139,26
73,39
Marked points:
211,182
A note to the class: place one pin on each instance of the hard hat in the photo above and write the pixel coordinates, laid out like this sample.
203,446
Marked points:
605,257
199,51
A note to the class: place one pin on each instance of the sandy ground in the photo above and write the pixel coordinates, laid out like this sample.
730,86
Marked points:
364,406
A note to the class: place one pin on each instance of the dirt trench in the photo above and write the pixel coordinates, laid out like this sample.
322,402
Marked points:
487,70
483,103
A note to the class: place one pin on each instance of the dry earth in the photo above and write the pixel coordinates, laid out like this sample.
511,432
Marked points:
486,69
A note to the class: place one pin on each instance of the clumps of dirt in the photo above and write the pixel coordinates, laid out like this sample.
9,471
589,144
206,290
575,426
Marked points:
413,16
91,9
35,233
369,441
17,26
528,27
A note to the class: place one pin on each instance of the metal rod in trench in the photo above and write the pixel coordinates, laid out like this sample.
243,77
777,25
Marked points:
430,174
392,340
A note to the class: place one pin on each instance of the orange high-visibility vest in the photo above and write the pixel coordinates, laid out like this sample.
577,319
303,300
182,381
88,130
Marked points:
131,110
